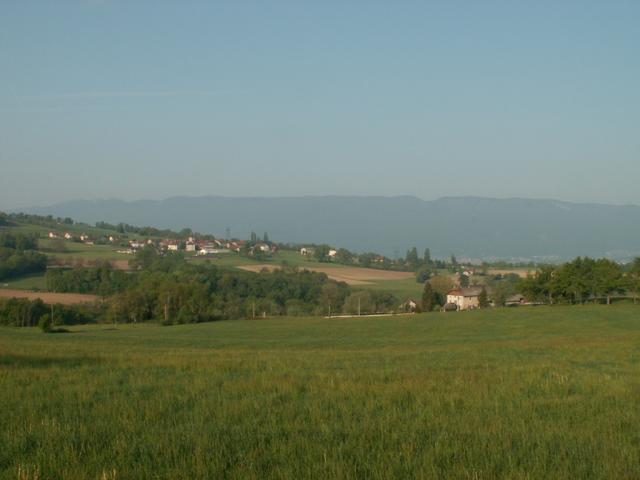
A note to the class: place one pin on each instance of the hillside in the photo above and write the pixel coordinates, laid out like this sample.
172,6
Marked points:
465,226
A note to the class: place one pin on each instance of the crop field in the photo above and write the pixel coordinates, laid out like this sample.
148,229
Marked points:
62,298
524,393
349,275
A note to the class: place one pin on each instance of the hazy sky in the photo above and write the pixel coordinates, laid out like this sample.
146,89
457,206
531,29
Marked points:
124,99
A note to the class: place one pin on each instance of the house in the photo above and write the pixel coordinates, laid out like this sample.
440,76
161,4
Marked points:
305,252
84,238
53,235
190,247
410,305
332,253
135,244
235,245
464,298
170,245
112,238
67,236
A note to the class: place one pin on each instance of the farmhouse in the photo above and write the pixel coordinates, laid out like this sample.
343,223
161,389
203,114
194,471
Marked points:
410,305
464,298
171,245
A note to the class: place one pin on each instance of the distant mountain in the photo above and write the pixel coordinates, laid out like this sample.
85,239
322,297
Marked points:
465,226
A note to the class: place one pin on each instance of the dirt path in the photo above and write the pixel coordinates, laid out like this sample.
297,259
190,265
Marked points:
350,275
63,298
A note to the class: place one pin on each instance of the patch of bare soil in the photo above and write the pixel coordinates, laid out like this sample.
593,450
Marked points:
63,298
349,275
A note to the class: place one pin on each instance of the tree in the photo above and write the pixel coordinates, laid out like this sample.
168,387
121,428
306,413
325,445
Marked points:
254,237
608,277
427,257
483,299
441,284
359,303
423,274
344,256
633,279
454,261
428,298
463,280
265,237
412,257
321,253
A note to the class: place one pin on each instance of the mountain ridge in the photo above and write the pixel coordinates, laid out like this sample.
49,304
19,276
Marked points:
475,227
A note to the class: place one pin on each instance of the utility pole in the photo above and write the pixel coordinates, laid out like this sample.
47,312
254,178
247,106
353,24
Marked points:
166,310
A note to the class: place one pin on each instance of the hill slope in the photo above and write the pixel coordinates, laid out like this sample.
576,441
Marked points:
466,226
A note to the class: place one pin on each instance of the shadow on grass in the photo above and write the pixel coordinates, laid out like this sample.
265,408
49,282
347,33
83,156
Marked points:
33,361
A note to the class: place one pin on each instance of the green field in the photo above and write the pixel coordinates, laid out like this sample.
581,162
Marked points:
525,393
74,250
34,281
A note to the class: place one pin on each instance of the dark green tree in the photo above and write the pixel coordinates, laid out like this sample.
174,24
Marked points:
633,279
428,298
483,298
412,257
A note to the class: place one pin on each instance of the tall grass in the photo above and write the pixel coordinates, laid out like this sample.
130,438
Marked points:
519,393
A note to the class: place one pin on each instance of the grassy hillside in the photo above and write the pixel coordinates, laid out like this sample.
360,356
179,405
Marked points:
511,393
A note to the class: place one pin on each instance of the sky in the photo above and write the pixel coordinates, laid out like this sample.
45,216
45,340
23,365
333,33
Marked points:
153,99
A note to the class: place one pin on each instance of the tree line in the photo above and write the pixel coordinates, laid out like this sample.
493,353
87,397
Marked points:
168,289
18,255
582,280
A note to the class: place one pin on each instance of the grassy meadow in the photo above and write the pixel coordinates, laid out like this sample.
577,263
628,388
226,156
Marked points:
524,393
33,281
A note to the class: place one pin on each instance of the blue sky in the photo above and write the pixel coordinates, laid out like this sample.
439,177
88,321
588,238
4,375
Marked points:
115,99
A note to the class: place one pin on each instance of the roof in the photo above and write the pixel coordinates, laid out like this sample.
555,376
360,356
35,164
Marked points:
466,292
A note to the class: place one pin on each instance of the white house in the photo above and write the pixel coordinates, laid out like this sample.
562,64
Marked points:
53,235
135,244
190,247
332,253
68,236
465,298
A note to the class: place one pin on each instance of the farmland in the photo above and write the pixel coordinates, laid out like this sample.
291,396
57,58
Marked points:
62,298
547,392
349,275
